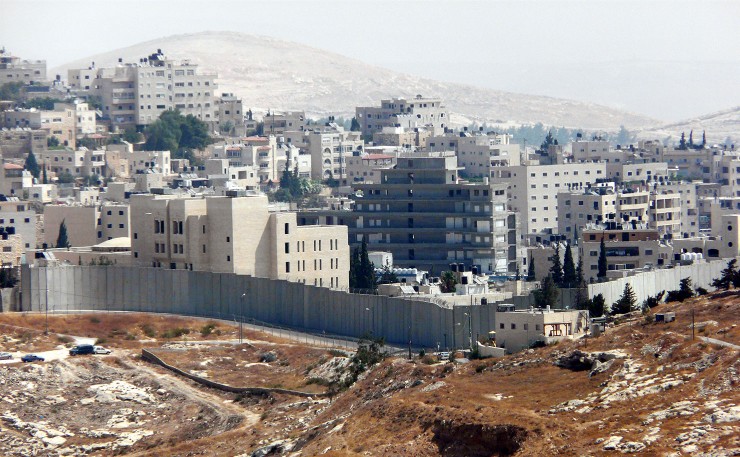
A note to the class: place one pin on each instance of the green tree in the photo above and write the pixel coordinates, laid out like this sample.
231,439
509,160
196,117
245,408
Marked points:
387,276
652,302
87,142
447,282
580,279
44,178
569,269
94,101
624,137
14,91
684,292
597,306
548,141
62,240
226,128
556,269
727,276
602,260
627,302
177,133
703,139
548,294
355,127
31,165
52,142
45,103
691,139
130,135
362,270
65,178
531,275
682,142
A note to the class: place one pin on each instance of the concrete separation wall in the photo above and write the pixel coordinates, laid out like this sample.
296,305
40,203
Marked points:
299,306
152,358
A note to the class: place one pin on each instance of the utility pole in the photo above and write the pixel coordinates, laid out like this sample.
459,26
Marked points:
693,325
241,321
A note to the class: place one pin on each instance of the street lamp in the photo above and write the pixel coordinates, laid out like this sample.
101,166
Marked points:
372,320
241,320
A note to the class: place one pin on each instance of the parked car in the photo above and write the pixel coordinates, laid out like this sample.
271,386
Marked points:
32,358
101,350
81,349
6,356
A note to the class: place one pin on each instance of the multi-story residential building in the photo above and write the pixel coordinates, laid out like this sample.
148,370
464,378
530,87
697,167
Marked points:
533,190
401,112
86,124
122,161
289,121
23,220
13,69
689,206
14,179
665,212
61,122
17,143
86,225
266,155
137,93
401,137
365,168
237,234
478,153
229,113
626,249
427,217
330,147
60,161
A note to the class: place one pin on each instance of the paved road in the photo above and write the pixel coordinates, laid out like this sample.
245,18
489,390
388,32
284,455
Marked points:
719,342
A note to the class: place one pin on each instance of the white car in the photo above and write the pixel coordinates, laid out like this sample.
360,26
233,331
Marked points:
101,350
6,356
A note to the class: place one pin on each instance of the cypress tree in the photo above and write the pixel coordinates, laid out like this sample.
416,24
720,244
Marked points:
691,139
569,268
682,142
44,179
626,302
548,293
530,270
602,259
32,165
62,240
556,270
597,306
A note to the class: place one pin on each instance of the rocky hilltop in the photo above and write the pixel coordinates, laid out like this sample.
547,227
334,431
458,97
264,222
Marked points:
273,74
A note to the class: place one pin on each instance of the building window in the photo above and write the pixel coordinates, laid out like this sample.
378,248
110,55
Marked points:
204,249
287,267
287,228
513,326
501,326
228,258
228,239
287,248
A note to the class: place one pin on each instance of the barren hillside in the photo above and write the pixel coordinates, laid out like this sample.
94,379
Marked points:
719,126
275,74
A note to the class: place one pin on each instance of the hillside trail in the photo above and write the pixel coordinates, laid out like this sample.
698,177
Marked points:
225,409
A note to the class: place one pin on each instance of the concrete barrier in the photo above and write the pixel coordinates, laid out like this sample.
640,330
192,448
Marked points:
401,321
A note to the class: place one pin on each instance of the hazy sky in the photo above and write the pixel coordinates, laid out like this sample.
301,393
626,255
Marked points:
666,59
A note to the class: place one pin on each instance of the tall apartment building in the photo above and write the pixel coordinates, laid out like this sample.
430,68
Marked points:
137,93
427,217
533,190
329,148
401,112
14,69
365,168
266,154
480,154
236,234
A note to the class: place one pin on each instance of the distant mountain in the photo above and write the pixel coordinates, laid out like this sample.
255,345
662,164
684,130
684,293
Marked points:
719,126
273,74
